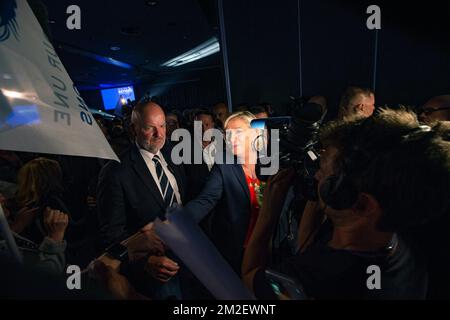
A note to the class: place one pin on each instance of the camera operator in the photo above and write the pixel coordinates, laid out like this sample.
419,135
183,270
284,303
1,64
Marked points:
297,149
374,197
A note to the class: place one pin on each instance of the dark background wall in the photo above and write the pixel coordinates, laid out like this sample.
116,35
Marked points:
200,88
337,50
414,63
262,50
93,98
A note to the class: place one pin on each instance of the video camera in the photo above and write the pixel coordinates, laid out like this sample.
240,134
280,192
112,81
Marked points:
298,146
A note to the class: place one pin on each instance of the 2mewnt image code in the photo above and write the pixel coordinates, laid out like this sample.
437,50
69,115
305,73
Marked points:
231,309
245,309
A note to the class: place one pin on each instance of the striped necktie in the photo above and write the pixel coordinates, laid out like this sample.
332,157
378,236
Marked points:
166,188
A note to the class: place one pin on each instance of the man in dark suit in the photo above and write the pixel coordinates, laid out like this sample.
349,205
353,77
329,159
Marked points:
139,189
197,173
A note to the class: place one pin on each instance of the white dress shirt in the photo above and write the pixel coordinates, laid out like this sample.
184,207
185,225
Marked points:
209,155
148,158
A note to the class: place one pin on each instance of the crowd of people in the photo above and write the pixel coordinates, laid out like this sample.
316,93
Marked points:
382,199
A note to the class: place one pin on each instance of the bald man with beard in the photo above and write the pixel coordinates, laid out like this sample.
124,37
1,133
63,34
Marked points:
133,193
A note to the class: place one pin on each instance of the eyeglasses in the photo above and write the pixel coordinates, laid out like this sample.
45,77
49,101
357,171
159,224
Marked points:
428,111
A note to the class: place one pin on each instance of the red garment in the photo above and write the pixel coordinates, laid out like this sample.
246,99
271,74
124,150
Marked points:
254,206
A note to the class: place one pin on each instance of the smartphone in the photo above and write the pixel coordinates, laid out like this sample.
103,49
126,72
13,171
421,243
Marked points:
284,287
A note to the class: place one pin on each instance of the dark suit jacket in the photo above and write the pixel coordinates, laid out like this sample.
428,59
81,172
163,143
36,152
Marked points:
225,190
128,197
196,173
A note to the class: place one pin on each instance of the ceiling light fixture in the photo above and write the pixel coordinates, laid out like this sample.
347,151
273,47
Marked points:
115,48
201,51
96,57
117,63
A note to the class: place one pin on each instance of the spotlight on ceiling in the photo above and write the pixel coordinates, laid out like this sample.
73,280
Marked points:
115,48
201,51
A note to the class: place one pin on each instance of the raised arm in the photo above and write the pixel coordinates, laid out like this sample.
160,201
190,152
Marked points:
199,207
257,253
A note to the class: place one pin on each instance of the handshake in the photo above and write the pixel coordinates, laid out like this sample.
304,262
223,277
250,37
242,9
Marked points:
145,244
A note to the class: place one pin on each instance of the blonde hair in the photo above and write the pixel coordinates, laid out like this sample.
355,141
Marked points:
243,115
36,179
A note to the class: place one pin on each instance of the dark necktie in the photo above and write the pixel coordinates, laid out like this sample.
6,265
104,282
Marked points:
166,188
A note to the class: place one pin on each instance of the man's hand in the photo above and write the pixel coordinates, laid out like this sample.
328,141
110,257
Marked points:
145,242
275,193
115,283
161,268
56,223
158,245
258,248
110,262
